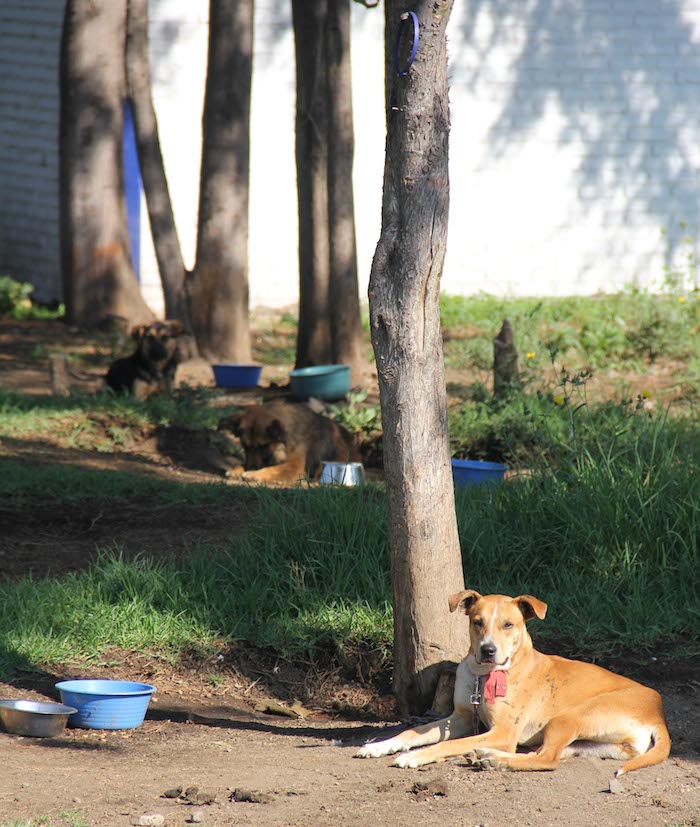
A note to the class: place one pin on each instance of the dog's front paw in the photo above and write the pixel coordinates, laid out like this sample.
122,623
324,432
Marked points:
481,759
407,761
379,749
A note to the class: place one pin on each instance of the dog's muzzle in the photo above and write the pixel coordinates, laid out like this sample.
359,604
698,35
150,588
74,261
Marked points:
487,652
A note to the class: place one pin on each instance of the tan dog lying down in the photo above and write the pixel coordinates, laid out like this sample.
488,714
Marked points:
523,697
287,441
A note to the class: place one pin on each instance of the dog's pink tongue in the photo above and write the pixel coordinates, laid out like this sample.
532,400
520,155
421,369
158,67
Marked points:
495,685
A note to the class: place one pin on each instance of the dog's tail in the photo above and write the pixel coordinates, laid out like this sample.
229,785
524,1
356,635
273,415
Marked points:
655,755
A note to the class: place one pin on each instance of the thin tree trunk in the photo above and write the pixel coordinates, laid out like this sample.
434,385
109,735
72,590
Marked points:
314,341
99,283
218,287
405,325
346,327
160,211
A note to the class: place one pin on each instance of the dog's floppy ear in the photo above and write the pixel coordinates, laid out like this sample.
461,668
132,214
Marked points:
530,606
463,600
231,423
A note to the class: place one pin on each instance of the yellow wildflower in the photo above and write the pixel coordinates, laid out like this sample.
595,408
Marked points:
558,400
646,394
681,299
530,354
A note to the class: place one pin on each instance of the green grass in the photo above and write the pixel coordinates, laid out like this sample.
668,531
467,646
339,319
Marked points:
633,328
105,422
22,485
608,536
604,526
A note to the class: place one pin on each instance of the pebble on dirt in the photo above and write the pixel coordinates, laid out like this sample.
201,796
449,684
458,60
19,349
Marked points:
429,789
251,796
193,795
151,820
174,792
615,786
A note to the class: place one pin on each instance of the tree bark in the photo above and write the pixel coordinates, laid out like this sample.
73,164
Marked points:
506,364
218,288
405,326
314,340
166,243
99,283
346,327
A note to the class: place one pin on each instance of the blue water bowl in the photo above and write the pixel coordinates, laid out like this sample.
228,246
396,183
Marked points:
320,381
236,376
105,704
474,472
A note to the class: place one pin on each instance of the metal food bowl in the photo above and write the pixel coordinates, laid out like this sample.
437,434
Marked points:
40,719
342,473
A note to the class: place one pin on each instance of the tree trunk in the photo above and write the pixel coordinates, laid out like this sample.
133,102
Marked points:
160,211
506,365
218,287
405,325
346,327
99,283
314,341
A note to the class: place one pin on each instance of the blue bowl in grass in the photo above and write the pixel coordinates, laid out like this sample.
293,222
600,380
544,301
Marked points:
236,376
475,472
106,704
320,381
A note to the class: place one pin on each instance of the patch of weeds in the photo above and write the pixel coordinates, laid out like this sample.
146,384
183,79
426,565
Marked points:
14,295
356,416
15,301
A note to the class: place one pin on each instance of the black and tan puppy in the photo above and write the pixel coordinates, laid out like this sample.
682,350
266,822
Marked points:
287,441
151,367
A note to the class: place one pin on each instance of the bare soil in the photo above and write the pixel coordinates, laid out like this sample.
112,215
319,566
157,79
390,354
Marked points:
246,737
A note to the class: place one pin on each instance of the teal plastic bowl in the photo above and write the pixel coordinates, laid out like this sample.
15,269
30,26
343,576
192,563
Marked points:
320,381
475,472
105,704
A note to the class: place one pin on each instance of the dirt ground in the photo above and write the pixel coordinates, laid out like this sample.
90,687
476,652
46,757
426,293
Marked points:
215,729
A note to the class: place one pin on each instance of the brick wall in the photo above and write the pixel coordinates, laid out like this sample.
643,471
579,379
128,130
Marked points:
29,53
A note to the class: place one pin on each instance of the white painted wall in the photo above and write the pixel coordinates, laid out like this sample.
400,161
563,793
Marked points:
575,143
575,147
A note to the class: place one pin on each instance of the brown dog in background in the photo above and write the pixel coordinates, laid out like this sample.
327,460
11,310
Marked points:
286,441
151,367
523,697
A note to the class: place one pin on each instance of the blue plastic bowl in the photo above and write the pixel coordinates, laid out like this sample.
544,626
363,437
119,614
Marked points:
474,472
104,704
236,376
320,381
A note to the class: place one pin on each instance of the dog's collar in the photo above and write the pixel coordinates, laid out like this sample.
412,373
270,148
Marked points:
494,685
